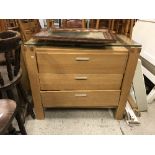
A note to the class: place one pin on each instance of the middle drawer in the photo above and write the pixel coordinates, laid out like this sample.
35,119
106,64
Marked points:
49,81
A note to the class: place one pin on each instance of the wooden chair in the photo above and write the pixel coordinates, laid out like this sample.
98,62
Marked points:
12,24
50,23
8,24
66,23
3,26
10,76
28,27
123,26
100,23
73,23
119,26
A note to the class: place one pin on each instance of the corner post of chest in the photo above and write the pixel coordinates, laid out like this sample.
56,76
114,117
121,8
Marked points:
127,80
31,63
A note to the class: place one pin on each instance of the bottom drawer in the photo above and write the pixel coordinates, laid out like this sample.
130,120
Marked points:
89,98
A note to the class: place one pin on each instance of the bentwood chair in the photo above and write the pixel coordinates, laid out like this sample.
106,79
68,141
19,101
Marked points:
10,79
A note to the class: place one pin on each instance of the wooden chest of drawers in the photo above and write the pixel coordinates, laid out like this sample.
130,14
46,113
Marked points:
80,77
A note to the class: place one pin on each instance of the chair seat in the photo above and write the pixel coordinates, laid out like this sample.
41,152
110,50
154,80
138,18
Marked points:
7,109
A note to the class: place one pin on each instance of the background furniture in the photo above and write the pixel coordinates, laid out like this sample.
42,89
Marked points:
119,26
28,27
144,32
13,24
9,24
73,23
81,77
66,23
10,76
3,26
50,23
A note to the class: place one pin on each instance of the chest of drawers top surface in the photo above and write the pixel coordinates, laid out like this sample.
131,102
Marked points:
121,41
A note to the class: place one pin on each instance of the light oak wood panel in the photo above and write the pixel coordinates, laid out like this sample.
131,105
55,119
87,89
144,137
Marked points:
34,81
127,81
50,81
80,98
107,49
82,63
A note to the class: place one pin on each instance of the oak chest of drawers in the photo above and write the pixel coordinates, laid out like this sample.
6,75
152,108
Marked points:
81,77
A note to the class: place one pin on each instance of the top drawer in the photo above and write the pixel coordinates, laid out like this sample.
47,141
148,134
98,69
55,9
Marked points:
82,63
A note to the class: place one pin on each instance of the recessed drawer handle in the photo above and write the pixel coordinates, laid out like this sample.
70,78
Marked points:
80,95
81,78
82,59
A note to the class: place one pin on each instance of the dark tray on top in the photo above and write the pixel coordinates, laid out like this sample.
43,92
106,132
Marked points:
90,36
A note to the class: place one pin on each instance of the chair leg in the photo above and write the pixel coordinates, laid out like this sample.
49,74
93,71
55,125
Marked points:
12,130
30,110
20,124
30,105
10,94
1,95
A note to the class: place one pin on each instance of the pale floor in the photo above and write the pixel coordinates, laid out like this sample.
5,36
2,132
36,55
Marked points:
88,122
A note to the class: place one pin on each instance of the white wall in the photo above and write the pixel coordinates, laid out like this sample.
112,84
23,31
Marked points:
42,22
144,33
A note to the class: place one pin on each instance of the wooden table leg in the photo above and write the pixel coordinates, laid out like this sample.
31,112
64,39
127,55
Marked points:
126,85
34,81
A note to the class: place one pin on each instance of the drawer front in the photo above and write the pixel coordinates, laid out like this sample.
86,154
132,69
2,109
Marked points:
89,98
50,81
82,63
